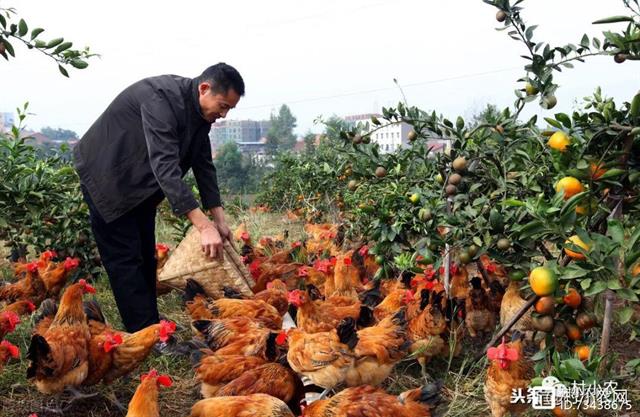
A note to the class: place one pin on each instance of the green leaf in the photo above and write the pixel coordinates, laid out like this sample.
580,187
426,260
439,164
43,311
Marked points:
585,284
614,284
613,19
460,123
635,236
613,172
3,21
22,28
564,119
35,32
511,202
63,71
596,288
9,47
576,364
54,42
625,315
615,231
573,272
63,47
627,294
553,122
79,64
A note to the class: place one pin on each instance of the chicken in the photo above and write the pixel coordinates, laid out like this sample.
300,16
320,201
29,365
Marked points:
479,317
254,405
59,357
162,256
508,371
511,303
8,322
196,301
265,272
7,351
371,401
345,280
104,339
377,351
320,316
393,302
275,294
270,378
426,330
56,278
43,262
136,347
239,336
21,307
325,358
31,287
459,281
215,371
365,263
45,316
228,307
495,293
144,402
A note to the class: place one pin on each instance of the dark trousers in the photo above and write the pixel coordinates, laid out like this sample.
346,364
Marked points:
127,251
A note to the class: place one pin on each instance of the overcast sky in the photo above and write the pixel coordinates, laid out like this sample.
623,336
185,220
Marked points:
319,57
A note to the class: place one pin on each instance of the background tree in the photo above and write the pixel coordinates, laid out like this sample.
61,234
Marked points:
59,134
280,135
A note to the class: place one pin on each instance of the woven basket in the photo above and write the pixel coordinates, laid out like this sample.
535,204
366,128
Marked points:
188,261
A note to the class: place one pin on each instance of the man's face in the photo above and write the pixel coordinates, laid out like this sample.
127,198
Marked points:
216,105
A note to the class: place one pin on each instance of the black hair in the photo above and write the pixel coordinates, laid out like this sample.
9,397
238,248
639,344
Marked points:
223,77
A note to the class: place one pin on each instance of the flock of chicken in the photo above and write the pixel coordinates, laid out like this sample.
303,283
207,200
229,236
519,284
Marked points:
350,331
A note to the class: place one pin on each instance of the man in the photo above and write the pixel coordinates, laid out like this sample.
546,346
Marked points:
136,154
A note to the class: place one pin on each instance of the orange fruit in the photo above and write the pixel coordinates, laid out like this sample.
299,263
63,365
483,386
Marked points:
543,281
561,412
596,170
573,332
545,305
583,352
559,141
572,298
635,271
575,239
585,320
570,186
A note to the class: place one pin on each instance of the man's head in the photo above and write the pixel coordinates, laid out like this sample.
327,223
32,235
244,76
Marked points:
219,90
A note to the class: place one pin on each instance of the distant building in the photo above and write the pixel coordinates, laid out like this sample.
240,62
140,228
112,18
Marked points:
6,121
392,136
239,131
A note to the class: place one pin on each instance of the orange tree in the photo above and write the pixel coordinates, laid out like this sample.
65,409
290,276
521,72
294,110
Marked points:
563,196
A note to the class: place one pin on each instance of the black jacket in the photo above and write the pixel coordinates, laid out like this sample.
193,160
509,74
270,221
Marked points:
144,142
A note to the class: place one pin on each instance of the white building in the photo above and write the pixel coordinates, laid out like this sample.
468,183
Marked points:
390,137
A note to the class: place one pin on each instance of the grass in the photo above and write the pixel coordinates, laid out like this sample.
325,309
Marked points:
462,393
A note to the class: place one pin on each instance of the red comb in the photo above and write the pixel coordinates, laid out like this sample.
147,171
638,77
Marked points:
408,297
71,263
13,349
12,318
281,339
333,260
112,342
48,255
151,374
167,328
303,271
269,285
296,244
347,261
32,267
32,307
245,236
87,287
164,380
364,251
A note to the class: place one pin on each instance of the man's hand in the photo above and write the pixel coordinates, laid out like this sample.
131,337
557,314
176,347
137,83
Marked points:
221,224
211,242
209,236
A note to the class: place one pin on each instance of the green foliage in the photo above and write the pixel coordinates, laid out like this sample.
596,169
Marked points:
280,136
237,173
14,29
41,204
59,134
